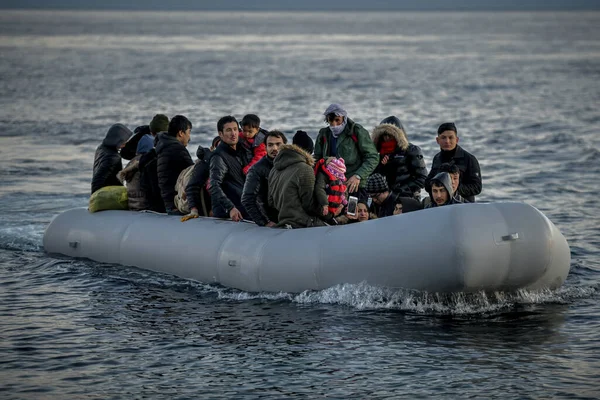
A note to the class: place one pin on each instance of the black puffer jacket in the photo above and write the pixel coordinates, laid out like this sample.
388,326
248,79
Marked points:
107,161
405,170
195,191
172,158
470,173
255,197
227,180
149,181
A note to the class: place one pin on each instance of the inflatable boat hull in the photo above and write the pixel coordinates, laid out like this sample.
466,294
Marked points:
459,248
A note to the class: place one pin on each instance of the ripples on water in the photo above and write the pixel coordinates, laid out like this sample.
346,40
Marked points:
523,89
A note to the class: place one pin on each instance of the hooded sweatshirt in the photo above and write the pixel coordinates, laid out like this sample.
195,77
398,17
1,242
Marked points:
446,181
107,161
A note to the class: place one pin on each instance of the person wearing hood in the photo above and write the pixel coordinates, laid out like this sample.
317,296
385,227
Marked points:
344,138
291,188
136,196
159,123
226,172
401,162
255,196
441,191
450,151
172,158
107,161
385,201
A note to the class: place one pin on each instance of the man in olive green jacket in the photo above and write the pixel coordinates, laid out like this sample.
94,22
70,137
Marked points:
291,188
346,139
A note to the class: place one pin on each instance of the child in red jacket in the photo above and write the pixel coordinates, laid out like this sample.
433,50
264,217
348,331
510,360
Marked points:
252,140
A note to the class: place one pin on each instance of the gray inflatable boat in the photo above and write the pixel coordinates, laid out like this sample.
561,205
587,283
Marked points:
459,248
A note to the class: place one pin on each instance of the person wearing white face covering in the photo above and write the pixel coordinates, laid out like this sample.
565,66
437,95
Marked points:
346,139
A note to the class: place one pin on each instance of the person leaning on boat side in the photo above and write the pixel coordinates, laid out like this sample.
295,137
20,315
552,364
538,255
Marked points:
159,123
137,200
441,191
291,188
344,138
450,151
107,161
226,172
385,201
172,158
401,162
255,196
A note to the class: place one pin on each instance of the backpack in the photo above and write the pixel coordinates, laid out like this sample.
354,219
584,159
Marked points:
180,198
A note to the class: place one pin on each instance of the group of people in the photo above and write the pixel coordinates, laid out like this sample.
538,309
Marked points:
346,175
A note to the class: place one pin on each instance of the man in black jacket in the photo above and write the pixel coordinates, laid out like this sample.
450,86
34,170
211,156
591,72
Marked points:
385,201
172,158
107,161
226,172
450,151
255,197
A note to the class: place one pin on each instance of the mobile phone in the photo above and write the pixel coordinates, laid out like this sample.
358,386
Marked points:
352,201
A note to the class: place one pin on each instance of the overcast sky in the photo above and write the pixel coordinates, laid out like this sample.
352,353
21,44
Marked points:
308,5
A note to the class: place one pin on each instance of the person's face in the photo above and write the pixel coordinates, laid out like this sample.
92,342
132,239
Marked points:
455,181
362,212
440,194
379,198
336,121
249,132
398,209
184,136
447,140
230,133
273,145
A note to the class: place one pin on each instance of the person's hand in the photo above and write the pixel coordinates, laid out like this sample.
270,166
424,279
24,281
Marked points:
338,210
355,216
328,160
235,215
385,159
193,214
352,184
325,210
271,224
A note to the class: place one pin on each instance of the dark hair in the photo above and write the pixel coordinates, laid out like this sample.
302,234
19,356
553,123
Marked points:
177,124
450,168
330,117
438,183
215,141
250,120
277,134
225,120
447,126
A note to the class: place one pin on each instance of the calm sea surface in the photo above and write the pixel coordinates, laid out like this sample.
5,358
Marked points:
523,88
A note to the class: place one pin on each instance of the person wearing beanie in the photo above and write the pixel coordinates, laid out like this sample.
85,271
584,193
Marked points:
384,201
344,138
160,123
470,173
304,141
107,161
441,191
401,162
137,198
329,187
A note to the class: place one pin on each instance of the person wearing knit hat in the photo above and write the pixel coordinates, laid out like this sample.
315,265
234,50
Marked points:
329,186
385,201
304,141
450,152
344,138
160,123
